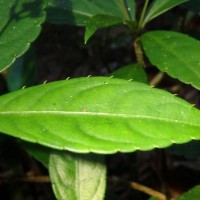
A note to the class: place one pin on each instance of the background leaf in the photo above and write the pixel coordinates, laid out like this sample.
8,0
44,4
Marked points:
152,198
159,6
133,72
99,114
100,21
22,72
193,194
174,53
193,5
188,150
39,152
77,177
73,176
79,12
19,26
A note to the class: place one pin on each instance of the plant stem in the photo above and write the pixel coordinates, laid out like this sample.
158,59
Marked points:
28,179
139,52
157,79
140,187
148,190
140,24
125,11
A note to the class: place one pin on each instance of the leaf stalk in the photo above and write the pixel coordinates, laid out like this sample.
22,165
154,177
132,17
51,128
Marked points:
139,52
141,23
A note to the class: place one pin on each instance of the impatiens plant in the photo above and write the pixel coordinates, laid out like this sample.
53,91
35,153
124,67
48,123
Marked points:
74,122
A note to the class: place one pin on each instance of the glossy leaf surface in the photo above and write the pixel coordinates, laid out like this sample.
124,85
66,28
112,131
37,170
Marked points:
174,53
77,177
159,6
19,26
98,114
79,12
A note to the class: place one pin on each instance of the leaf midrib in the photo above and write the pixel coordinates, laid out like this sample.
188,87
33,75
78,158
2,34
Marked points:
136,116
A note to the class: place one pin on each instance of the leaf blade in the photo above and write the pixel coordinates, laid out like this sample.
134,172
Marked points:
98,115
19,18
191,194
133,72
77,176
100,21
167,51
79,12
37,151
158,7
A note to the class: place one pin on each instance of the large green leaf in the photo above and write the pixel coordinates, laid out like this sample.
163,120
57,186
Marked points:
77,177
79,12
19,26
160,6
175,53
192,194
98,114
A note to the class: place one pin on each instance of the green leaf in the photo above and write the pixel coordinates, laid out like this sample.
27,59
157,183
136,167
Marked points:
79,12
174,53
100,21
133,72
159,6
22,72
77,177
72,174
98,114
192,194
39,152
152,198
19,26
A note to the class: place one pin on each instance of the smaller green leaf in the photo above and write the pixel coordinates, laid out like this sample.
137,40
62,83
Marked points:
100,21
79,12
133,72
192,194
22,72
76,176
39,152
92,14
19,26
128,8
159,6
174,53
